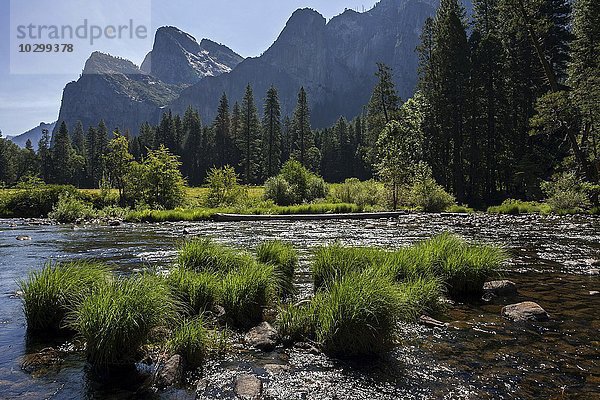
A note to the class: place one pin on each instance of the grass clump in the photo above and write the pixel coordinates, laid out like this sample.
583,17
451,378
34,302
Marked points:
196,291
191,340
205,254
296,322
284,258
69,208
246,292
118,318
460,209
50,293
514,207
358,315
420,296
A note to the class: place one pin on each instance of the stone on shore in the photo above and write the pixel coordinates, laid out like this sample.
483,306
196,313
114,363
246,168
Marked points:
248,386
525,311
171,373
500,288
263,337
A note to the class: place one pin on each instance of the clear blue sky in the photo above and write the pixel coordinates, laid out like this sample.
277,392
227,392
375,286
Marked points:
248,27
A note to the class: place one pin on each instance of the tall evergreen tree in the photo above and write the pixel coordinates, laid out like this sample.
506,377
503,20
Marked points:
45,156
236,117
272,133
62,156
249,140
224,145
193,153
302,134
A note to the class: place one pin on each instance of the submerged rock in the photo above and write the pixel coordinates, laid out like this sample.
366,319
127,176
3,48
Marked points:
23,237
275,369
171,373
500,288
248,386
434,323
594,292
263,337
41,360
525,311
114,222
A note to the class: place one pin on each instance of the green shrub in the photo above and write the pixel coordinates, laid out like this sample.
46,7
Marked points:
34,201
284,258
512,206
566,194
363,193
246,292
69,208
296,322
358,315
204,254
190,340
462,209
196,291
118,318
294,185
426,195
224,189
50,293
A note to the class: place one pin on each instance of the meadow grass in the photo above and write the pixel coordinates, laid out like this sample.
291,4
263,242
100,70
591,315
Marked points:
461,209
191,340
48,294
296,322
196,291
284,258
245,292
117,319
512,206
420,296
204,254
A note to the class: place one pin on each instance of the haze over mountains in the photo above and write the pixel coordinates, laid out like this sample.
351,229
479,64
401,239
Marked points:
335,61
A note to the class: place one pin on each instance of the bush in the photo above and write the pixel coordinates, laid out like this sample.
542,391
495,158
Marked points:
358,315
69,208
246,292
224,189
34,201
196,291
294,185
512,206
119,317
284,258
50,293
191,341
426,195
206,255
566,194
461,209
363,193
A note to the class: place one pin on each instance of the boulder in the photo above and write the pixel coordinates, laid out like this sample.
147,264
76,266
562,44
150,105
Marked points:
41,360
23,237
114,222
500,288
525,311
248,386
275,369
263,337
171,373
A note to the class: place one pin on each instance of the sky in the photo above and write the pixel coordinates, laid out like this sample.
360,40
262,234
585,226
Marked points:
33,94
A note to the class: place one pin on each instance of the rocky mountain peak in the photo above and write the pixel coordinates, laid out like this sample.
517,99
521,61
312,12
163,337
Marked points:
101,63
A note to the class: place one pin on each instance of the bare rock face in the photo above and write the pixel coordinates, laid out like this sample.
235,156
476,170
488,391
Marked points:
263,337
500,288
525,311
248,386
171,372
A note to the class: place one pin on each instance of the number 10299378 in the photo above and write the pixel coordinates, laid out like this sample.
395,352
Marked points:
46,48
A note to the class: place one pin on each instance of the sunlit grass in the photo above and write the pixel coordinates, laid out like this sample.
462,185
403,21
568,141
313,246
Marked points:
284,258
196,291
204,254
512,206
191,340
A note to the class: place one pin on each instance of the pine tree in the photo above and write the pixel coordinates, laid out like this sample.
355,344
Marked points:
249,139
236,116
224,145
302,134
193,152
62,156
272,133
45,156
79,139
286,140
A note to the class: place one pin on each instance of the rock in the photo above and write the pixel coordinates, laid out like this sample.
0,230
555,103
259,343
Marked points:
44,359
500,288
263,337
114,222
186,231
596,263
434,323
219,313
594,292
525,311
248,386
201,386
276,368
23,237
171,373
593,271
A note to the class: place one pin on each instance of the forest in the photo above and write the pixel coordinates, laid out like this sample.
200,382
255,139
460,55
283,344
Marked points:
506,100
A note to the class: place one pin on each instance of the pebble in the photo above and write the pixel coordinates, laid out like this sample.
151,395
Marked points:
248,386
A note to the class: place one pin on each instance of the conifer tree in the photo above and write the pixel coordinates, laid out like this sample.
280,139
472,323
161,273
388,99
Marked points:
224,146
302,134
249,139
272,133
62,156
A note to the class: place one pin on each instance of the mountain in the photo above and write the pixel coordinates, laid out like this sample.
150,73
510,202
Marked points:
177,58
125,96
33,134
335,61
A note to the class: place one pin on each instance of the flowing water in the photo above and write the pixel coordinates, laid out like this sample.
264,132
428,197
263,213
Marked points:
479,356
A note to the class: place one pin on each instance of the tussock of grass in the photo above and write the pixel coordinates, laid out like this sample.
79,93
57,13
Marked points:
192,341
246,292
461,209
50,293
512,206
420,296
118,318
296,322
284,258
196,291
205,254
358,315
